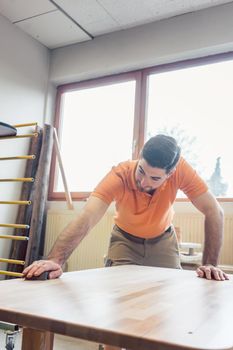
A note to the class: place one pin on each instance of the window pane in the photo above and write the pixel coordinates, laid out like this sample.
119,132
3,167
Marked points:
195,106
97,133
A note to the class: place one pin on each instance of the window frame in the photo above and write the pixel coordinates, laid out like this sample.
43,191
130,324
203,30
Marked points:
141,78
138,136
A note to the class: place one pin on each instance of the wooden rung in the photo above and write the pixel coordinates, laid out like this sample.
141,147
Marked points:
15,238
16,202
18,179
25,124
13,274
12,261
35,134
32,156
15,225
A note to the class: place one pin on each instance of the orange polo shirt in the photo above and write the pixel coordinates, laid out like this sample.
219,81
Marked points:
139,213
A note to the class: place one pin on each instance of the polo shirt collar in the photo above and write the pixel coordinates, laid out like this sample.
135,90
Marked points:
131,178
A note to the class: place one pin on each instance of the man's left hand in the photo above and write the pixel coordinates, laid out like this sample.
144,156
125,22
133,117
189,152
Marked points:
211,272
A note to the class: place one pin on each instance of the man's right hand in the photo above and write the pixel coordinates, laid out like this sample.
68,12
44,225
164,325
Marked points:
40,266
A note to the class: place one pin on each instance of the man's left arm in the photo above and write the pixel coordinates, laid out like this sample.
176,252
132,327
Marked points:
213,213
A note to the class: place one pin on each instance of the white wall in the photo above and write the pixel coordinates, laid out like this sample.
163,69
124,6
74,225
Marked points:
24,70
191,35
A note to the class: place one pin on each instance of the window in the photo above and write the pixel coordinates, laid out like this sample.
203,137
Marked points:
195,106
106,121
96,130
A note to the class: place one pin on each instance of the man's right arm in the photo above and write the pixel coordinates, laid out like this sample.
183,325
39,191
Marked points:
69,239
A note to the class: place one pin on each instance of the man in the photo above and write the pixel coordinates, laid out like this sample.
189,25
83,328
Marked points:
144,192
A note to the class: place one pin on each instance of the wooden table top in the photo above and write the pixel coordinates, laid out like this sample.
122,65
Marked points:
130,306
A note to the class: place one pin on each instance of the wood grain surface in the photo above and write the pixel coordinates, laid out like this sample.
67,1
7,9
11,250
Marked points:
140,308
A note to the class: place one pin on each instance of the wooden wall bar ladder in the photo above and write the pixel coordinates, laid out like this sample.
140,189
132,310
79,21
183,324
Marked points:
24,226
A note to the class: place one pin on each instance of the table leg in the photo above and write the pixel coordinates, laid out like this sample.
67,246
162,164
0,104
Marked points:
37,340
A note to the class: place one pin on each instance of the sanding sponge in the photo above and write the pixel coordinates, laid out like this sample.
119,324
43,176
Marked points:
44,276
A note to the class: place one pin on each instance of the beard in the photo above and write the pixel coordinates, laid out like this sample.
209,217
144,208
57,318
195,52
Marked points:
149,190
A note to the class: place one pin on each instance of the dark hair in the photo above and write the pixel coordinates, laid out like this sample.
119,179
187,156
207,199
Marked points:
161,151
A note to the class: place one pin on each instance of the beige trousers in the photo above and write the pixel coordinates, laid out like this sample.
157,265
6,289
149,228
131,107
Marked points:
125,249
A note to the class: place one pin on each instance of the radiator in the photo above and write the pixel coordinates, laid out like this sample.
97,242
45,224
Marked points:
91,251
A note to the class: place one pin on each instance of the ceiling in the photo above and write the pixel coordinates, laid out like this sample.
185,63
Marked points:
57,23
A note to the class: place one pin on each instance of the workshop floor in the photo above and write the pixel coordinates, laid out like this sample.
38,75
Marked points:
60,343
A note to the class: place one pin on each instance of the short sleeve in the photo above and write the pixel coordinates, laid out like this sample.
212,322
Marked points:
189,180
111,187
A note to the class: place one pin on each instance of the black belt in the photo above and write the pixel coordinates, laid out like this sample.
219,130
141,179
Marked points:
136,239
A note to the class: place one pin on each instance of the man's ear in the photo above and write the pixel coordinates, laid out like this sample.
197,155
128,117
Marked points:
171,172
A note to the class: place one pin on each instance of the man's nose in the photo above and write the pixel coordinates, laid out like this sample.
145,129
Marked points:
145,182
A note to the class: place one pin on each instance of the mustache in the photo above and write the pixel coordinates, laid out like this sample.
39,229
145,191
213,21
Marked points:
143,189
